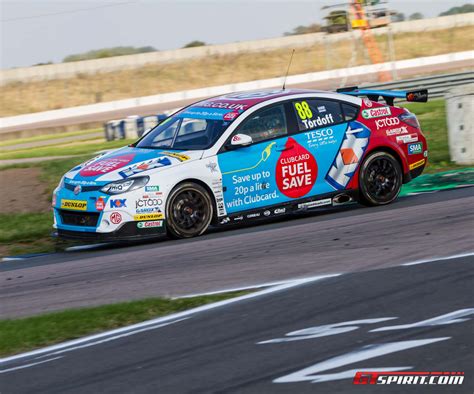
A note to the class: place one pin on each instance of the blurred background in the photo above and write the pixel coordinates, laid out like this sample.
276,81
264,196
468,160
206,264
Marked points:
77,78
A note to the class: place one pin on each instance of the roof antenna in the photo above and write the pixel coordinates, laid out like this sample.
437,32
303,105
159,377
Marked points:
288,69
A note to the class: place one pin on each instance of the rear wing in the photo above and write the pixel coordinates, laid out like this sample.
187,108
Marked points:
418,96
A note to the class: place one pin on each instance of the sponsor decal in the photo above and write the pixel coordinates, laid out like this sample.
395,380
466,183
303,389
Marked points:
425,153
224,105
381,123
148,216
224,220
376,112
321,108
100,204
145,166
80,182
230,116
115,218
267,213
314,204
77,189
397,131
155,223
318,122
238,218
368,103
412,377
417,164
279,211
148,210
74,205
296,170
320,137
407,138
415,149
148,202
104,166
119,203
253,215
212,166
236,138
349,156
419,96
176,155
152,188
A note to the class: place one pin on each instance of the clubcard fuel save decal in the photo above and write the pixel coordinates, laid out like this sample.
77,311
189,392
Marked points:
280,170
296,170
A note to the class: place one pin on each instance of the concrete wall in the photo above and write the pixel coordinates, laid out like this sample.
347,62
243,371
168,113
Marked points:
459,108
26,121
68,70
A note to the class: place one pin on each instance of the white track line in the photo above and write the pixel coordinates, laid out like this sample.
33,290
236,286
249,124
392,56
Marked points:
29,365
269,288
435,259
154,323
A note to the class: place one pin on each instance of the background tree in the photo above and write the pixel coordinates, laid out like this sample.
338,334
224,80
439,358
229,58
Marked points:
459,10
415,16
195,43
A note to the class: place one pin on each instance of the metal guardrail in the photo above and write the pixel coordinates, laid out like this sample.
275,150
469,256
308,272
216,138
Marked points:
437,85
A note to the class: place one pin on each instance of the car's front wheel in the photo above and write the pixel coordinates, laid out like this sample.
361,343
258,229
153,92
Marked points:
380,179
189,211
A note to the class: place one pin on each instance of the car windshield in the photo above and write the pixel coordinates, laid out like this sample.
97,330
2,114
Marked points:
194,128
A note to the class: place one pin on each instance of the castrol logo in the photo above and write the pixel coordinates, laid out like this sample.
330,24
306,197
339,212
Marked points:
376,112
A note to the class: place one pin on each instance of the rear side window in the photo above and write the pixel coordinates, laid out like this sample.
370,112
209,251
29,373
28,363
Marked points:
317,113
349,111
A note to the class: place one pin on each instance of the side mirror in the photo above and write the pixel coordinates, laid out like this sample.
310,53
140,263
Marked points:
239,140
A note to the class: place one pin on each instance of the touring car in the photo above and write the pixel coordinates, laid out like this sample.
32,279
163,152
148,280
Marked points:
242,157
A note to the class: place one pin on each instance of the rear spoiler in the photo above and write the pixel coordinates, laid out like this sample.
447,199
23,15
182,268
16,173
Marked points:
418,96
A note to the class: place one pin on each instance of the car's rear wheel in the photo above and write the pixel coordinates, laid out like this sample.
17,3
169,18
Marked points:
380,179
189,211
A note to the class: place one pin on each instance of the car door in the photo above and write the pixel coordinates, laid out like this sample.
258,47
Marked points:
327,130
248,173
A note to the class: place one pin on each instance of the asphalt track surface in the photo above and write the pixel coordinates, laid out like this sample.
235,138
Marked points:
329,84
341,240
405,318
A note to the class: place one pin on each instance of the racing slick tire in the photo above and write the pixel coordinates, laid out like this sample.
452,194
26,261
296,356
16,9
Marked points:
380,179
189,211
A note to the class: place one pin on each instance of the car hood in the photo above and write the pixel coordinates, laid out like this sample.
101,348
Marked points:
126,162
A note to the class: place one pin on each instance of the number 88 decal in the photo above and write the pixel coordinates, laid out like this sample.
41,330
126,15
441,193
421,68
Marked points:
304,112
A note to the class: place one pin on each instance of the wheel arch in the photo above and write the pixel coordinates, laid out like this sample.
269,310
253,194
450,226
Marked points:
397,155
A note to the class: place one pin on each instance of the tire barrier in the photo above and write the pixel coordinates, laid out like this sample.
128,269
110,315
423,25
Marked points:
131,127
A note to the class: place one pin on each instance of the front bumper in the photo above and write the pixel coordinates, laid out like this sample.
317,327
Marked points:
127,232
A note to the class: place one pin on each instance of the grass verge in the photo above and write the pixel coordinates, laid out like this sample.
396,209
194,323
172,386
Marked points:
68,149
48,137
19,335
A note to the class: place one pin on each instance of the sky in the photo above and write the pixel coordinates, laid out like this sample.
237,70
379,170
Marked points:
38,31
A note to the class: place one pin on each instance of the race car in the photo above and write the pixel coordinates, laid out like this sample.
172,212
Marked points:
242,157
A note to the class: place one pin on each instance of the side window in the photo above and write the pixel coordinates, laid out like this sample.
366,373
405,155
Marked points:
350,111
265,124
315,113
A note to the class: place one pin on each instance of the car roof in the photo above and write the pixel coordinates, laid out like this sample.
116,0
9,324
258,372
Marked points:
241,101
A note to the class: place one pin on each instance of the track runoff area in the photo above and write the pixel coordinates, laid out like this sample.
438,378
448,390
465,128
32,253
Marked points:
409,325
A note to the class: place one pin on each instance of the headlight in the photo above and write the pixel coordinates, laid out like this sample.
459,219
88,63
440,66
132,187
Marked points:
127,185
